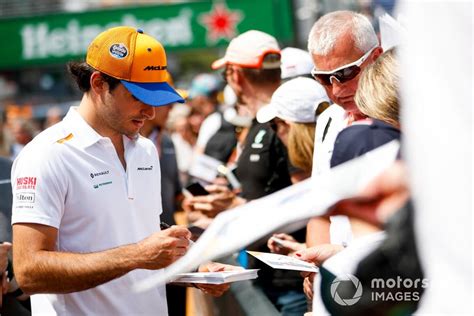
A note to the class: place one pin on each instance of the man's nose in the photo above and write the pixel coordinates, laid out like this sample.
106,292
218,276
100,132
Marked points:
337,88
148,111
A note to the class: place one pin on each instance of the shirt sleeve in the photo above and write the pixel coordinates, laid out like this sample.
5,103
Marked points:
39,186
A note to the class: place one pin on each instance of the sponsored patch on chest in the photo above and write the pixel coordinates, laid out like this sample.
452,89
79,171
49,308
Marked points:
254,158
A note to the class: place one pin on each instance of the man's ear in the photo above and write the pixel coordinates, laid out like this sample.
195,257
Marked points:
236,79
239,79
377,52
98,84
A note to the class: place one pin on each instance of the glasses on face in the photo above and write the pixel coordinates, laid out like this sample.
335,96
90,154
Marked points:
343,73
224,74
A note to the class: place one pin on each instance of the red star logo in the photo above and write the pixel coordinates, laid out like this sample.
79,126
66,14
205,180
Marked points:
220,22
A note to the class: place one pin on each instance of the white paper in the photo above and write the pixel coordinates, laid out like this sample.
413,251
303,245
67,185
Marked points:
277,261
232,230
204,167
438,148
216,277
391,32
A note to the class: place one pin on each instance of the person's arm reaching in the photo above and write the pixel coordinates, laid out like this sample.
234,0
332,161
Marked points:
317,255
317,231
220,199
41,269
284,244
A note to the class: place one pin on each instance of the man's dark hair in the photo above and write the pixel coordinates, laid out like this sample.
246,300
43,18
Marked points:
81,73
264,76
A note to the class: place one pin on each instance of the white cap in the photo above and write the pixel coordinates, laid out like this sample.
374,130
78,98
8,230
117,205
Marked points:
295,101
248,50
295,62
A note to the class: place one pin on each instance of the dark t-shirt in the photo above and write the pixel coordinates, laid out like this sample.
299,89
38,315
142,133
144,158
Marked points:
170,184
360,138
5,200
170,188
262,167
223,142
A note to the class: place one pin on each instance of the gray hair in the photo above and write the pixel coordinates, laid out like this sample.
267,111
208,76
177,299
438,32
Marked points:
330,27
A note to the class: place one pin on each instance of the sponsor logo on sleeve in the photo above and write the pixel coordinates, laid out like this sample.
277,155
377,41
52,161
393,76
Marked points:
25,197
65,139
26,183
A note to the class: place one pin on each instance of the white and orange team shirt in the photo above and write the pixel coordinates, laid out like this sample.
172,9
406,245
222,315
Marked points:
70,178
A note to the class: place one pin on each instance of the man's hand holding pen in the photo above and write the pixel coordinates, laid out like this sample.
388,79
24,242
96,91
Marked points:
211,289
163,248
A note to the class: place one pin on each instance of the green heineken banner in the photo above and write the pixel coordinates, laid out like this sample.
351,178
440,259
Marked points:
57,38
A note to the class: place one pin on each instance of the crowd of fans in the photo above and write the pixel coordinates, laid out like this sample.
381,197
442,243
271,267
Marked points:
276,117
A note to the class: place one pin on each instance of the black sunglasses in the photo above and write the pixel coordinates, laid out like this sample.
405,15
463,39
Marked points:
342,74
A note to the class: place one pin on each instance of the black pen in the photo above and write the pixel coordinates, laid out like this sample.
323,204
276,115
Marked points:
164,226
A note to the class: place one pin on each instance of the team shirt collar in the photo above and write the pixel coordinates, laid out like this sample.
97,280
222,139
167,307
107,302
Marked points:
84,134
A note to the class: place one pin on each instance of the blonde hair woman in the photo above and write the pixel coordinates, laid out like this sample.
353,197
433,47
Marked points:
292,114
377,95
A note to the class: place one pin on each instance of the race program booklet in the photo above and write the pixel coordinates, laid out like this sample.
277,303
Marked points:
277,261
216,277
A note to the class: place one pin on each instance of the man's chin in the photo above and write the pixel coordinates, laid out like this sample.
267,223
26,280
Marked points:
348,106
131,134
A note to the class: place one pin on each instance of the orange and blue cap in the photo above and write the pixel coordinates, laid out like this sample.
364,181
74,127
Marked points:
138,60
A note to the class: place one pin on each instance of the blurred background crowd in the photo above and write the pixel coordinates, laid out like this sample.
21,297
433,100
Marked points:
245,131
35,90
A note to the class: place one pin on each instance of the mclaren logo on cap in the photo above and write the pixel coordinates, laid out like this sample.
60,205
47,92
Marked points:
118,51
155,68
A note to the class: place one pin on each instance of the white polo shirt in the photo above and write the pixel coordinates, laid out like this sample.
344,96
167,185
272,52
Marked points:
69,177
333,120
